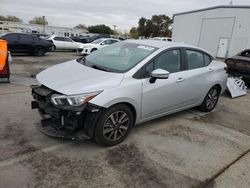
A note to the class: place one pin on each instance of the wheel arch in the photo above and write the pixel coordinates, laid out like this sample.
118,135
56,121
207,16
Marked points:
93,49
131,107
217,85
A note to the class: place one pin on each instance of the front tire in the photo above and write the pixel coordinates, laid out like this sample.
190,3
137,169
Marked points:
39,51
210,100
114,125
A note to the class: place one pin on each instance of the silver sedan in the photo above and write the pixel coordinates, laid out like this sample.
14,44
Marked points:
105,94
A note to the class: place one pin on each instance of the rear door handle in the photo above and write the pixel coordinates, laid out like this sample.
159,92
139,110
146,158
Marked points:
180,80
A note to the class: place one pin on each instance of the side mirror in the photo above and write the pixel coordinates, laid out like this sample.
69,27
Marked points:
158,74
102,43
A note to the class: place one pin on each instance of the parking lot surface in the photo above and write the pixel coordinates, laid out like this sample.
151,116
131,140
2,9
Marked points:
187,149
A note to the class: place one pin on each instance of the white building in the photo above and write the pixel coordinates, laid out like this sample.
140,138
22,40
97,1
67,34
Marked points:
222,30
17,27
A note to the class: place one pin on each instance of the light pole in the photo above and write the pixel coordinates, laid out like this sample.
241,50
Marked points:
44,25
114,28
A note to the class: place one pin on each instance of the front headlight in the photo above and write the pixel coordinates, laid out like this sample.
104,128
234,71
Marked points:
72,100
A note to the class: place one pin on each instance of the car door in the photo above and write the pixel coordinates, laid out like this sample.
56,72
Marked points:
165,94
69,44
59,43
26,43
198,76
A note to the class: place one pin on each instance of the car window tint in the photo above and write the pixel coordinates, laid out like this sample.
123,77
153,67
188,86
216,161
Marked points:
67,40
246,53
10,37
195,59
106,42
113,41
35,38
25,37
169,61
59,38
148,69
207,59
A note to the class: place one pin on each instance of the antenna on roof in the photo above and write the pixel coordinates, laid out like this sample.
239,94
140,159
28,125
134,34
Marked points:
231,2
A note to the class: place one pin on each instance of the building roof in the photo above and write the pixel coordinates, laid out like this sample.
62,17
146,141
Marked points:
214,7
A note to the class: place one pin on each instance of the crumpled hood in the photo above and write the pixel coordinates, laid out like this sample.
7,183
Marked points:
74,78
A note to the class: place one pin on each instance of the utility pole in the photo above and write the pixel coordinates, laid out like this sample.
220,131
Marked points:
114,27
44,25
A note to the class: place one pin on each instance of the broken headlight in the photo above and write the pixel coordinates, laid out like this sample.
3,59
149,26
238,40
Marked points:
72,100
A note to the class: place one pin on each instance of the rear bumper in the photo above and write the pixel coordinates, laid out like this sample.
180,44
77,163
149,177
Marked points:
76,123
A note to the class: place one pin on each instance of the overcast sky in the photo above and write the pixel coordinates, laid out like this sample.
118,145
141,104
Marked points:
123,13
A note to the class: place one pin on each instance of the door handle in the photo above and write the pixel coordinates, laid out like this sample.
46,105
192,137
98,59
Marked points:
180,80
210,70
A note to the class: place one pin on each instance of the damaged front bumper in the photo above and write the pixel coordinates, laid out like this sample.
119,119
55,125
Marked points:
76,123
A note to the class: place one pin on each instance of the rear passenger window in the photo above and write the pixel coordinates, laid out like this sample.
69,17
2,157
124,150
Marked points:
59,38
195,59
67,40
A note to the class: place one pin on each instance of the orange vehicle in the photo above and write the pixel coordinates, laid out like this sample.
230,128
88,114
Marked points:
4,64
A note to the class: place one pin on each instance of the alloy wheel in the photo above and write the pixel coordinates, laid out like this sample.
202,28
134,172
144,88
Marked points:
116,126
212,98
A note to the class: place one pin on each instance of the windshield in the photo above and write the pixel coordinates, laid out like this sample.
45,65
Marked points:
97,41
118,57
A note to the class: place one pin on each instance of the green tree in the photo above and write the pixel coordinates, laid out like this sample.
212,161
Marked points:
134,33
100,29
160,25
142,26
157,26
81,26
10,18
39,20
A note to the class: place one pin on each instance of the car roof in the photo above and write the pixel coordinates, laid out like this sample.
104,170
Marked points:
163,44
19,33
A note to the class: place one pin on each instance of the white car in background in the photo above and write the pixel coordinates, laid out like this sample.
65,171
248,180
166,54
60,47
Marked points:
163,39
64,43
97,44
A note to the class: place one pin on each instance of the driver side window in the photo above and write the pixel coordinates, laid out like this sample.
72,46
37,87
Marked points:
169,61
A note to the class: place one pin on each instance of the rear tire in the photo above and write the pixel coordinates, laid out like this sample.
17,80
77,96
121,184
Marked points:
39,51
114,125
53,48
210,100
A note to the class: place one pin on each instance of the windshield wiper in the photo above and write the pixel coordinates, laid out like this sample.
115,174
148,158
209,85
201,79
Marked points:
100,68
